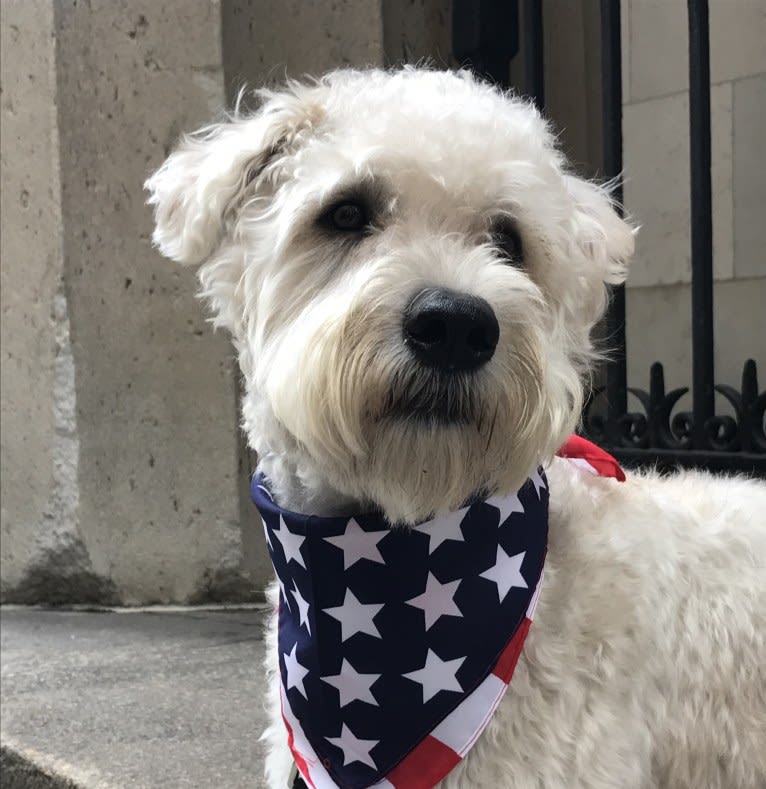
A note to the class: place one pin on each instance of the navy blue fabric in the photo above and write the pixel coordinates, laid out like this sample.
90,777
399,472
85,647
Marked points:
402,718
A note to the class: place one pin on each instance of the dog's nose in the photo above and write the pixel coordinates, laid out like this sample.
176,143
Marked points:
450,331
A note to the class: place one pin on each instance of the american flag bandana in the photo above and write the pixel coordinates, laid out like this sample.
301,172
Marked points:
396,645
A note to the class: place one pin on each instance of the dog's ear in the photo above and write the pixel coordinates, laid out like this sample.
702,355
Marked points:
197,192
603,237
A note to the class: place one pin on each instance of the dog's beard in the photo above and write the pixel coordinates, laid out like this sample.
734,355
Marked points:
437,438
433,398
433,457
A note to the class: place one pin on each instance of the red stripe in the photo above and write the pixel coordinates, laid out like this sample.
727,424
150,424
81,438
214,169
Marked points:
510,656
603,462
424,766
300,762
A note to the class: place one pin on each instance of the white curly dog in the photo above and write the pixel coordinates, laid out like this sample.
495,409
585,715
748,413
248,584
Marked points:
325,225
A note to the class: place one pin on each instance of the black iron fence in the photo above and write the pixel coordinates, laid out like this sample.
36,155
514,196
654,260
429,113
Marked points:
486,36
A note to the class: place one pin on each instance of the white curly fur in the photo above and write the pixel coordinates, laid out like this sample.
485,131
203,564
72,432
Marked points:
645,665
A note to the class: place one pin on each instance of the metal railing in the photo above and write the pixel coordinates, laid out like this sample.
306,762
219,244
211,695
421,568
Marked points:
658,436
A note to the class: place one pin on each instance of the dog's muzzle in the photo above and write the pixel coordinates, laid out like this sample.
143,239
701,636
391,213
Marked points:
450,331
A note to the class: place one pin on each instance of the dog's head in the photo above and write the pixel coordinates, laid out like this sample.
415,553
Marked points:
410,276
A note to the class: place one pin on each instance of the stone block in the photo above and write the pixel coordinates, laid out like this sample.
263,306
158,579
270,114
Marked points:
659,329
263,40
155,389
625,43
749,177
121,459
657,187
659,48
43,555
737,36
659,44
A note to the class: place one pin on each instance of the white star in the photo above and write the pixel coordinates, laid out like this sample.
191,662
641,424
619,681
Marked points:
295,672
352,685
444,527
291,543
356,544
303,607
438,600
506,505
437,675
354,749
538,482
506,572
355,617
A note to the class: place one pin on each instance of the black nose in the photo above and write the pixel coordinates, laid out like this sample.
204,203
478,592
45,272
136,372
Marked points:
450,331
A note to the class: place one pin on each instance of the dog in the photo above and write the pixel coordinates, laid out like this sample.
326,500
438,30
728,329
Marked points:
411,274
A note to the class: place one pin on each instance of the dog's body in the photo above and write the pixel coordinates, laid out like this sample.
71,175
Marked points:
410,276
644,666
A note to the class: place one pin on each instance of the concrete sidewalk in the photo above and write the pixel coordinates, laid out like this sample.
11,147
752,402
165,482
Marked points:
132,699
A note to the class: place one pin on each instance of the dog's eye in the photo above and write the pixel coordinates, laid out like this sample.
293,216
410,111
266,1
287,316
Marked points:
506,238
348,217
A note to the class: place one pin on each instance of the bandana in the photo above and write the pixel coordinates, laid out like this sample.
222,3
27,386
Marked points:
396,645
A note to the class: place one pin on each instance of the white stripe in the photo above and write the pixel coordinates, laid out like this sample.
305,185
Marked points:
583,463
533,602
317,773
460,729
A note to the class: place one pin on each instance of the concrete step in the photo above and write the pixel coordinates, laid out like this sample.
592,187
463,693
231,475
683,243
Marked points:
169,698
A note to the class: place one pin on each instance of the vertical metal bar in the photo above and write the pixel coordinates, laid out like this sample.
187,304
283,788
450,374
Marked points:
611,112
703,395
485,36
533,51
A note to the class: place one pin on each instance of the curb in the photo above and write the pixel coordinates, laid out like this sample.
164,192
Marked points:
26,768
